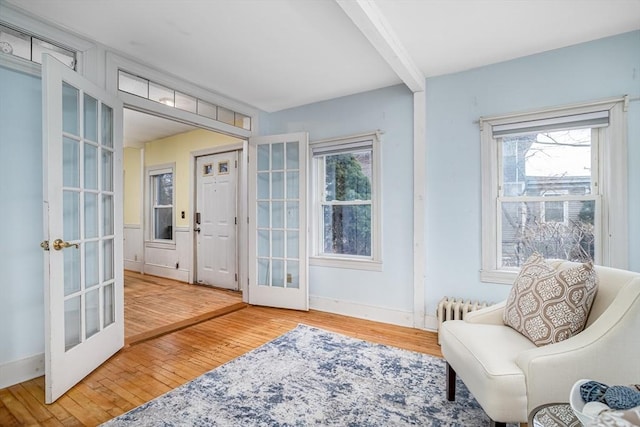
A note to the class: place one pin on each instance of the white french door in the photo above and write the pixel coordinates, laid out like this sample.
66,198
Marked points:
278,264
84,306
216,220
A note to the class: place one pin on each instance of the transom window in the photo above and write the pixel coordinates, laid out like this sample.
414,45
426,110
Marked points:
31,48
549,186
346,198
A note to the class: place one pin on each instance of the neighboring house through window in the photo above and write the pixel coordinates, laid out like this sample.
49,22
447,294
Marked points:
346,203
554,182
161,203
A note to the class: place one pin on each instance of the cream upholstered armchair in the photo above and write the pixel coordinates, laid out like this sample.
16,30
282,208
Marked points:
510,376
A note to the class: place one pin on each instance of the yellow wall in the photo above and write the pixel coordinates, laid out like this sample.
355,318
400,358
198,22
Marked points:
132,186
177,149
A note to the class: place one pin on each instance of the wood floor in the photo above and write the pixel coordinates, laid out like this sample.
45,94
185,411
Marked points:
145,370
154,306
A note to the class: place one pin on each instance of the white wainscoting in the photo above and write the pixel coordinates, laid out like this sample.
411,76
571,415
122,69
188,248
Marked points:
171,261
133,247
18,371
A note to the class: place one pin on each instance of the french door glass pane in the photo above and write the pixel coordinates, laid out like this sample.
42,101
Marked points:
264,278
263,185
263,243
70,163
90,166
92,312
107,257
293,215
277,185
71,215
90,118
263,157
293,242
263,214
526,229
277,278
292,155
293,185
293,274
91,264
109,305
277,212
107,170
107,126
70,123
71,271
72,325
107,215
277,156
90,215
277,243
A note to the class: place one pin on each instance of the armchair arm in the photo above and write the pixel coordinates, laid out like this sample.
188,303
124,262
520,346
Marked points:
490,315
606,351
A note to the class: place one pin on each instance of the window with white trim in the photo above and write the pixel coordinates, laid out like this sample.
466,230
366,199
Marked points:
549,186
161,191
346,212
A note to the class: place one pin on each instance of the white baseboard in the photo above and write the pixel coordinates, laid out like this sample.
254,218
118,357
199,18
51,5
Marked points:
431,323
168,272
133,265
362,311
21,370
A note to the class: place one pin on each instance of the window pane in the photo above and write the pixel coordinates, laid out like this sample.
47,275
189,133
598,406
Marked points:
107,170
90,215
547,164
70,109
226,116
108,305
90,118
107,126
161,94
90,166
207,110
186,102
70,162
526,228
164,189
72,323
133,84
107,259
91,264
347,230
92,312
348,176
163,224
15,43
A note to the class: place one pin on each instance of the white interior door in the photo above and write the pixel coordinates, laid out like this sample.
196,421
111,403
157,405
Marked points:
217,201
278,261
84,308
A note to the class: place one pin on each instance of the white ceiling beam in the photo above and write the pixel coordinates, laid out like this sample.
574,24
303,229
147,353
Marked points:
370,20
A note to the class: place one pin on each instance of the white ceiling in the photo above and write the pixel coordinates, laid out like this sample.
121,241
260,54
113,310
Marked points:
141,127
277,54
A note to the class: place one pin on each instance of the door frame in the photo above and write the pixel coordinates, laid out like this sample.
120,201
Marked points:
241,190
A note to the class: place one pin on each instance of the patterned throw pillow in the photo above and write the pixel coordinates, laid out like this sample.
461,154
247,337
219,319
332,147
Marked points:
548,305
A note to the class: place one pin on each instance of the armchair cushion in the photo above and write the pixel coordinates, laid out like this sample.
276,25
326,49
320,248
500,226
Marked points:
548,304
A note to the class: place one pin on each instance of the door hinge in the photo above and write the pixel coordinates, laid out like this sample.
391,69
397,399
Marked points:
45,245
236,164
247,220
236,277
236,220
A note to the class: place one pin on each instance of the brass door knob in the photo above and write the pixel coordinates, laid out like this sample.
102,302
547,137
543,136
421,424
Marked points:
59,244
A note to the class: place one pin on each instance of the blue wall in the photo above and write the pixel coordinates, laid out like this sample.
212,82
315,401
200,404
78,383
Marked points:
21,259
600,69
390,110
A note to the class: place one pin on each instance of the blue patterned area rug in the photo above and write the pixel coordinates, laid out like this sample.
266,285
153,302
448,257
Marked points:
309,376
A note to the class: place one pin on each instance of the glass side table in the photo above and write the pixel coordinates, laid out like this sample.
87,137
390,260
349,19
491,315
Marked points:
554,415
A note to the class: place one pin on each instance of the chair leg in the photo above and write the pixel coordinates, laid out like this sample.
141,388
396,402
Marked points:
451,383
497,424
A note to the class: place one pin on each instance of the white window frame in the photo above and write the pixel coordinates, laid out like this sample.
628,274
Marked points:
611,219
151,173
318,257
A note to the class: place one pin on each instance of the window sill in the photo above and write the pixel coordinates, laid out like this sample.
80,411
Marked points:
505,277
348,263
